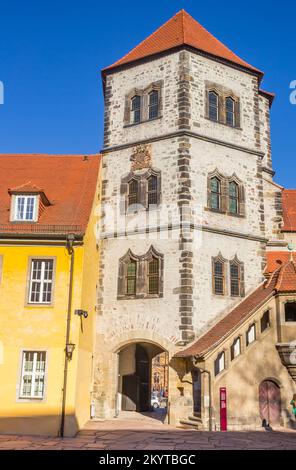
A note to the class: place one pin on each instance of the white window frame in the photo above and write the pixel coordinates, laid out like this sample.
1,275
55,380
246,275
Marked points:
236,347
251,334
41,281
34,374
26,198
221,361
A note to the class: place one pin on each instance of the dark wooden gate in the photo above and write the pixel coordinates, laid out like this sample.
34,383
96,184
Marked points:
143,374
270,401
129,392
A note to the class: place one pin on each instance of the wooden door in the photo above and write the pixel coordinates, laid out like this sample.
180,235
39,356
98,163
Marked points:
129,392
270,402
143,374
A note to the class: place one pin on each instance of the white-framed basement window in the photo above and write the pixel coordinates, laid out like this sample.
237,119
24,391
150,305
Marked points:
33,374
41,281
25,208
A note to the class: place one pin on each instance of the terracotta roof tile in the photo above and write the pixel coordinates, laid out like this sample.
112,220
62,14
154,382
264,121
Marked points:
180,30
68,181
28,187
275,259
289,210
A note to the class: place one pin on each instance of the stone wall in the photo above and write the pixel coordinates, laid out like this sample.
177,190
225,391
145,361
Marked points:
185,147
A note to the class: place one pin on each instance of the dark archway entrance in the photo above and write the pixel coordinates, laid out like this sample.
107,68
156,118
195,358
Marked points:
135,377
270,402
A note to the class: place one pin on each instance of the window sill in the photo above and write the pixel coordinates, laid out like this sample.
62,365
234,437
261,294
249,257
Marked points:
221,373
139,296
29,305
232,361
141,122
150,208
30,400
216,211
238,128
24,221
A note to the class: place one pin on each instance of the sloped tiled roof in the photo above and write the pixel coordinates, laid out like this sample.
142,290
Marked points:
28,187
282,280
181,30
68,181
275,259
289,210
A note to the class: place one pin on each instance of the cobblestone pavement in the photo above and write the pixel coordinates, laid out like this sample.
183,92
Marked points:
129,434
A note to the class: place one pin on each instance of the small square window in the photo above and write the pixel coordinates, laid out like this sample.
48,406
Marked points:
25,208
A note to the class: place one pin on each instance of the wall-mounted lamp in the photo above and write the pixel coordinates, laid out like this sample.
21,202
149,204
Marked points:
81,313
69,350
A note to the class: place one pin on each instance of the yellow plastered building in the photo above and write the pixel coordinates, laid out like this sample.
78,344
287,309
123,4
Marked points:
48,254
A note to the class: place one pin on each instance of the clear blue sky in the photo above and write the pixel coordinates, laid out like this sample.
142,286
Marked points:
51,53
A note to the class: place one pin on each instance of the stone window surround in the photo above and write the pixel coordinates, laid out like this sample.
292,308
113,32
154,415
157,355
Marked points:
226,275
224,203
256,334
235,261
267,310
29,269
283,313
19,376
222,260
222,94
142,177
142,275
144,95
241,348
218,355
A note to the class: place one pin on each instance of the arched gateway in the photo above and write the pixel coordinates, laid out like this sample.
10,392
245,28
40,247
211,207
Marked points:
136,372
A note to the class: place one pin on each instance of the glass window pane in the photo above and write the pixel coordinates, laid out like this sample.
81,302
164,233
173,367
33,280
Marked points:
230,111
133,192
20,208
213,106
131,286
153,104
136,109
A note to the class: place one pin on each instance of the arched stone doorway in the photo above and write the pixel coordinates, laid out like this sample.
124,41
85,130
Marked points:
270,401
135,376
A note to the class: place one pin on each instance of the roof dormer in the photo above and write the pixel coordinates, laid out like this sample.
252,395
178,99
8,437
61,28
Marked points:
27,202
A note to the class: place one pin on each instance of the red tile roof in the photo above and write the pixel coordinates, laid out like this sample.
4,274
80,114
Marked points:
275,259
28,187
289,210
68,181
282,280
181,30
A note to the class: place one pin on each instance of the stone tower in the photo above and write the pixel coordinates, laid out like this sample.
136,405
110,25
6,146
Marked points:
186,151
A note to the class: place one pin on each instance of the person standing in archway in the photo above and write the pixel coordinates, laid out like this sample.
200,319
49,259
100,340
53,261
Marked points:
293,403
